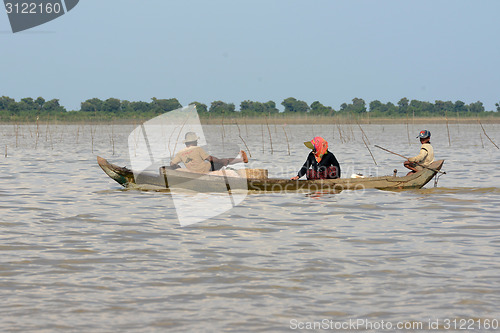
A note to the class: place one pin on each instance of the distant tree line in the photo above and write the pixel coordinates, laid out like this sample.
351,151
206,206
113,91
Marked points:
29,108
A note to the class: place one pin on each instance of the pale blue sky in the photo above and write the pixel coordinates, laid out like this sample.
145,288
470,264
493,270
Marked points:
260,50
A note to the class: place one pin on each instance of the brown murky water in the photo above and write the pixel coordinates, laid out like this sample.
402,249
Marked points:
78,253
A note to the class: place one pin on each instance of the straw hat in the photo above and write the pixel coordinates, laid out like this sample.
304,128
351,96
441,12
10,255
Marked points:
191,137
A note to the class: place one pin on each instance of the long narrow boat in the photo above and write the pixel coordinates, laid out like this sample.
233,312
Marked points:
166,179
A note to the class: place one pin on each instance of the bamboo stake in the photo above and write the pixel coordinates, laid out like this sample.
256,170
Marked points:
270,138
51,142
17,134
486,134
340,134
223,130
262,132
481,137
47,130
407,129
363,133
92,137
77,133
239,134
178,135
62,134
113,139
286,136
36,134
373,158
5,150
447,128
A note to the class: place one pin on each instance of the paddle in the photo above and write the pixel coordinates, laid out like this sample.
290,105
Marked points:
406,158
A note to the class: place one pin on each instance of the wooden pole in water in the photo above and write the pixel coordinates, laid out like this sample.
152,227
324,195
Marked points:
286,136
373,158
486,134
340,133
5,150
239,134
222,123
363,136
262,132
270,138
363,132
447,127
36,134
17,134
407,129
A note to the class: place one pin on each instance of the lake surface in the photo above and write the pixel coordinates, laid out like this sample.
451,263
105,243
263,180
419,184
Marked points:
79,253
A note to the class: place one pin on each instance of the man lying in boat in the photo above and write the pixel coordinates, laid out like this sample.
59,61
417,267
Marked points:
320,163
426,155
196,159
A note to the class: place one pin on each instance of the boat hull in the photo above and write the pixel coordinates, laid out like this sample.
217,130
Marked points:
167,179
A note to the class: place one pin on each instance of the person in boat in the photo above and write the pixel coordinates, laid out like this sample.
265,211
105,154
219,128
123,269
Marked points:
197,159
425,156
320,163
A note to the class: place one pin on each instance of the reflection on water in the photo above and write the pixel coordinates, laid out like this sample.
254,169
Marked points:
81,254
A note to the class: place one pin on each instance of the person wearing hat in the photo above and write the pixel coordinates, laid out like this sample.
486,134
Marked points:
320,163
426,155
197,159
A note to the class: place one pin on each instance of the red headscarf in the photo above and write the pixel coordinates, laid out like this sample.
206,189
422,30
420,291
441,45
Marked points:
320,146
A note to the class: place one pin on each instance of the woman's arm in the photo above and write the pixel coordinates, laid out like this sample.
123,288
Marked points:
304,168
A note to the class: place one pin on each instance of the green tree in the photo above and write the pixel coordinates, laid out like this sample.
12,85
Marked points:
126,107
140,107
460,107
498,106
27,104
112,105
221,108
403,105
319,109
476,108
92,105
378,108
256,108
358,105
271,107
5,102
421,108
293,105
200,107
40,101
391,109
443,108
165,105
13,109
53,106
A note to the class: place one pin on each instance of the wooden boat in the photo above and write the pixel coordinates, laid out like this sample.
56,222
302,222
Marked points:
166,179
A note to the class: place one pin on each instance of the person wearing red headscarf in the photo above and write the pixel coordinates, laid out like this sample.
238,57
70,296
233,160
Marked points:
320,163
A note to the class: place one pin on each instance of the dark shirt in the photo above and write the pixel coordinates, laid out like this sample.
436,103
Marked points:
326,161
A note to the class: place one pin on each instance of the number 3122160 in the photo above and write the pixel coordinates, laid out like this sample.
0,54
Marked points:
33,8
